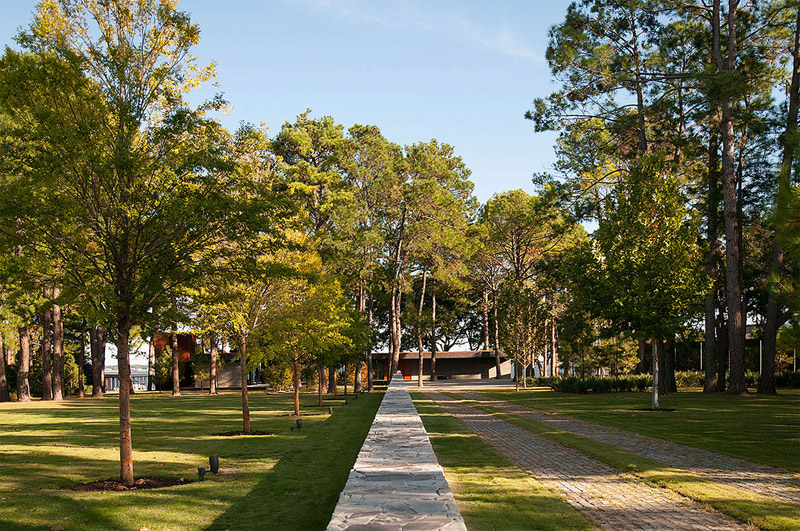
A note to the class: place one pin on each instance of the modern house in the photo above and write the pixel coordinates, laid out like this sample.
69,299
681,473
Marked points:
138,377
456,365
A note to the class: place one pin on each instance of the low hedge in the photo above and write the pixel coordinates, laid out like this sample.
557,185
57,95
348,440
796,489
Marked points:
641,382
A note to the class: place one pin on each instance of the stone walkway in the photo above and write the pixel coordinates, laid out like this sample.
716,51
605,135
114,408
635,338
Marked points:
614,500
773,483
396,482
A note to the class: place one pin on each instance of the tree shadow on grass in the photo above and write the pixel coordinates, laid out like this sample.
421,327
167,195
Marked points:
302,489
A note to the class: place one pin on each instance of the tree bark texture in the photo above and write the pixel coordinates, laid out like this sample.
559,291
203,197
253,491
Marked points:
176,375
24,365
125,442
357,385
323,378
726,66
59,388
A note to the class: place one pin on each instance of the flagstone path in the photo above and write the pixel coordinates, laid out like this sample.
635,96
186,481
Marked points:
614,500
396,482
776,484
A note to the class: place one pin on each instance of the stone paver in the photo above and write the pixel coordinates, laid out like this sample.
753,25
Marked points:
779,485
614,500
396,482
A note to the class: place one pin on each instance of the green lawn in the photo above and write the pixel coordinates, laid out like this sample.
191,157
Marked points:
764,429
490,492
283,481
745,506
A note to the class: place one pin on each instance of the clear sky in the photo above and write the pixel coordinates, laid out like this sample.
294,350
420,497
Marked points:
463,72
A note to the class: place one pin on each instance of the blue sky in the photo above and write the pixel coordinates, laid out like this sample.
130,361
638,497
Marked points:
463,72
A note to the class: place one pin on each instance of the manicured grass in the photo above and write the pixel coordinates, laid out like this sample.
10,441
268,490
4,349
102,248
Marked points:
743,505
491,493
763,429
290,480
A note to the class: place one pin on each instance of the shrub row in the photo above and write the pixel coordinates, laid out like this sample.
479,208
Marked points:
595,384
640,382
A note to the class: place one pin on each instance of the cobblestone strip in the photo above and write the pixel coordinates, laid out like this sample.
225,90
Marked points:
614,500
396,482
773,483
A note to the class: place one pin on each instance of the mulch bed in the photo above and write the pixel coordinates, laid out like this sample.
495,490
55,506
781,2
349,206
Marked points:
240,432
140,484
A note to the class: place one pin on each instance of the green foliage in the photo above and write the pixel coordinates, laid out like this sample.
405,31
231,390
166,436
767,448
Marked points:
278,375
641,270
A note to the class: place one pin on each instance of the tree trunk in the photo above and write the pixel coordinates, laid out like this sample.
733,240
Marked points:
722,356
496,340
419,327
81,359
4,394
485,320
332,382
46,347
733,286
59,387
176,375
656,383
396,325
710,340
392,333
151,362
296,381
766,380
357,385
24,365
345,379
321,376
212,372
433,331
554,370
370,384
242,340
97,344
362,309
125,442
